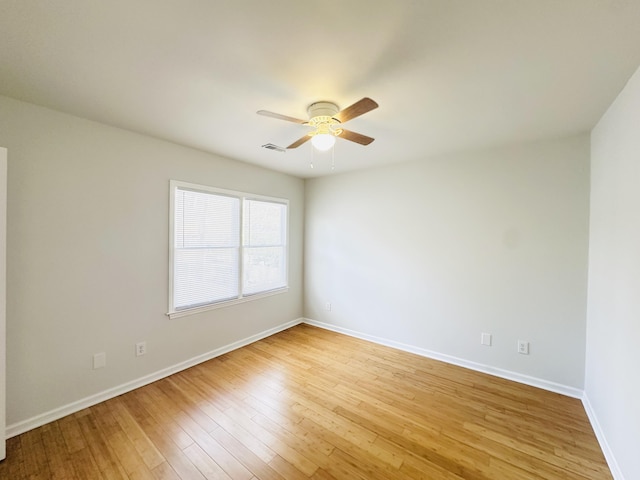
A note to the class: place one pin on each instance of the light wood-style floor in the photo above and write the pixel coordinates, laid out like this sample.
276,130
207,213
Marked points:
308,403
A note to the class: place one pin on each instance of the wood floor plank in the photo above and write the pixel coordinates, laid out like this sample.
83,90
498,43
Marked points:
205,442
248,458
242,435
35,458
288,448
308,403
284,468
102,453
13,465
60,464
322,474
175,457
180,394
72,434
207,466
160,414
127,454
141,443
165,472
420,468
84,464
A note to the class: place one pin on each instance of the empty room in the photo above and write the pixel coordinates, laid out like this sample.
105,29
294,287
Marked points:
320,240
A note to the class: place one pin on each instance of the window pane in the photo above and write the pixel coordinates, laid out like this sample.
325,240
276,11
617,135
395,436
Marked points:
206,248
264,223
264,240
264,269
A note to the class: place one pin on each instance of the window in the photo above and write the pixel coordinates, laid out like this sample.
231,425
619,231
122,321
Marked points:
226,247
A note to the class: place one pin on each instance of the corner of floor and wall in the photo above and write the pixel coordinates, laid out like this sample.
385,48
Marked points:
534,242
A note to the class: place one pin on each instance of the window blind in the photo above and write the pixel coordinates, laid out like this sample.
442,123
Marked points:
206,251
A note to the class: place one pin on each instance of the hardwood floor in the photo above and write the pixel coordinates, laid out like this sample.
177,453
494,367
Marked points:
308,403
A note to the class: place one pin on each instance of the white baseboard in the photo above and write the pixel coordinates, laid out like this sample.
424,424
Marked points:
57,413
479,367
602,440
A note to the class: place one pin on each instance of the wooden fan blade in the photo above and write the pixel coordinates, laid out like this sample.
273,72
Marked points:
356,137
300,141
359,108
267,113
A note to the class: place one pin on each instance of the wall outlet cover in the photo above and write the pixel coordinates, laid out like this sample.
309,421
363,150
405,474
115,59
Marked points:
99,360
523,347
141,348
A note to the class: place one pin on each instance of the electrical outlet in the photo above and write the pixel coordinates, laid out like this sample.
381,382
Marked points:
328,306
141,348
523,347
485,339
99,360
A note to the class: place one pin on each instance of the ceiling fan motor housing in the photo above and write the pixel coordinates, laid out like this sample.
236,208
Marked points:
322,109
321,116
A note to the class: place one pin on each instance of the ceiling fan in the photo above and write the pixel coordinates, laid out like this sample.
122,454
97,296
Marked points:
326,119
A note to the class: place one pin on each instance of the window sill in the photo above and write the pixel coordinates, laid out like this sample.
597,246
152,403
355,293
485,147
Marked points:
227,303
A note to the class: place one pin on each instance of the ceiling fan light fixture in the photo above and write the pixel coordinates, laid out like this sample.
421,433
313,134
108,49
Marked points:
326,120
323,141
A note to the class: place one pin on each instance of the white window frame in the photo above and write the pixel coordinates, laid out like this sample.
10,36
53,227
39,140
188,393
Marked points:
242,196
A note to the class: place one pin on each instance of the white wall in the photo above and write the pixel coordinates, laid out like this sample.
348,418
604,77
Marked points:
432,253
87,243
613,325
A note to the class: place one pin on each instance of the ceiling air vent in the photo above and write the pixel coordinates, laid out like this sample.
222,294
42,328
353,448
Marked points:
271,146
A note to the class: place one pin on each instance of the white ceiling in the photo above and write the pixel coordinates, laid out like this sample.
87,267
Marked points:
449,75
